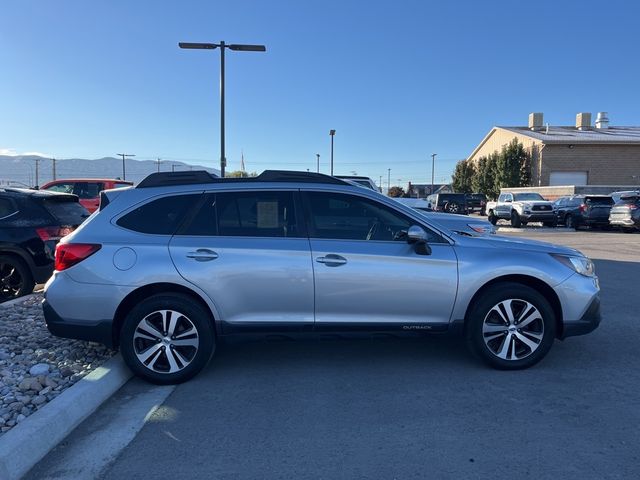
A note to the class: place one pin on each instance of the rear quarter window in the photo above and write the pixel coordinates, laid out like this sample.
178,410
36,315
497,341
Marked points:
7,208
162,216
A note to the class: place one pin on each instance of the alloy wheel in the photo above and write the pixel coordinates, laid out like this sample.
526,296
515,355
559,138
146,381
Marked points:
513,329
165,341
11,282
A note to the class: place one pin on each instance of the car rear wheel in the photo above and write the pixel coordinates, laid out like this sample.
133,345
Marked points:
569,222
167,338
15,278
512,326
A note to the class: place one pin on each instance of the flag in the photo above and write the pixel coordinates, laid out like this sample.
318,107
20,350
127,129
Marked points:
242,162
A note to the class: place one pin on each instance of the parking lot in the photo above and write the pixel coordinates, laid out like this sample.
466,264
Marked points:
398,408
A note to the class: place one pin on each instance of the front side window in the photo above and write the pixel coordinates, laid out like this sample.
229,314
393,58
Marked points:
161,216
350,217
87,190
61,187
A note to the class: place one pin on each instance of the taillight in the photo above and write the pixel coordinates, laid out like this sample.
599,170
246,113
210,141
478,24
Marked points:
583,208
53,233
69,254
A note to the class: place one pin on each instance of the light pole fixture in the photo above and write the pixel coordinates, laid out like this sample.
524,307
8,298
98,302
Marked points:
124,170
317,163
332,134
433,166
222,46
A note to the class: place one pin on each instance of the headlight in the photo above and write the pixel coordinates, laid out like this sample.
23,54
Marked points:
582,265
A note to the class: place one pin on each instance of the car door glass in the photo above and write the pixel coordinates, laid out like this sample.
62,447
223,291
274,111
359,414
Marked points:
246,214
61,187
350,217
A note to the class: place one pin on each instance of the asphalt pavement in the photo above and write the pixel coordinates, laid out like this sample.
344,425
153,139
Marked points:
404,408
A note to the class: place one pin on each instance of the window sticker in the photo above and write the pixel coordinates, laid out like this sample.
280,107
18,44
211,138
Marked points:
267,214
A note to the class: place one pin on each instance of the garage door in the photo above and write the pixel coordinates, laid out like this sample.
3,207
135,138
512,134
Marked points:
568,178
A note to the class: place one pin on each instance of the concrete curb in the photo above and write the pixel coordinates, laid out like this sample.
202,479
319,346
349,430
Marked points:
8,303
28,442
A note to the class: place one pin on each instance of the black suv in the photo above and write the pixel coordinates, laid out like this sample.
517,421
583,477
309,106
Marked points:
31,223
476,202
584,210
448,202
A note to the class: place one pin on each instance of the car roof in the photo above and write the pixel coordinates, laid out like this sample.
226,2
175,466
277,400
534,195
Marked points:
21,192
66,180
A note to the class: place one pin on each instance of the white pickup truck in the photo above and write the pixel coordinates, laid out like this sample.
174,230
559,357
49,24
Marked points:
522,208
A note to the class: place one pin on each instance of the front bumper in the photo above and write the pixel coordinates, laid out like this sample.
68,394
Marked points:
588,323
538,217
100,331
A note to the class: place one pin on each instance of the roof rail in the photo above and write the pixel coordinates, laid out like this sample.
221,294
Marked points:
200,176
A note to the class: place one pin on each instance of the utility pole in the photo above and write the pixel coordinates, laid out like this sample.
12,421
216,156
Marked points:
318,162
54,168
173,167
433,166
37,179
332,134
388,181
124,169
158,165
380,184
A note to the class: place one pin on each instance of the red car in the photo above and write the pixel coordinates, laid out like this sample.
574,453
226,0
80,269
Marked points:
87,189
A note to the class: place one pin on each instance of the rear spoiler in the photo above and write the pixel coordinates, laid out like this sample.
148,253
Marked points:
107,196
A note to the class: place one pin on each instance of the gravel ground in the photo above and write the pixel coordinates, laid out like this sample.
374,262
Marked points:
35,367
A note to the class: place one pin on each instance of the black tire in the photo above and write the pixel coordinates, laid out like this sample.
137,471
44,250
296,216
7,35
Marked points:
484,308
196,316
569,222
453,207
515,219
492,218
15,278
483,213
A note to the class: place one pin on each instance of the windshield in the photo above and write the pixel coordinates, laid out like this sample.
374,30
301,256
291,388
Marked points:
519,197
599,200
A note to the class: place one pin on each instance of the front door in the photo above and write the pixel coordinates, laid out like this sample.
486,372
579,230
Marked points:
247,251
367,275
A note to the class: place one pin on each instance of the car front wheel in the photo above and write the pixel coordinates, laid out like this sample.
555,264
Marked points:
511,327
492,218
515,220
167,338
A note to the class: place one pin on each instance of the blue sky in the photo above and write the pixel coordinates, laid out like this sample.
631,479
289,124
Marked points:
397,80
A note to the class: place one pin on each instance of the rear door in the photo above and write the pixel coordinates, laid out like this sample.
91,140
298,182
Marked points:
249,252
367,275
598,208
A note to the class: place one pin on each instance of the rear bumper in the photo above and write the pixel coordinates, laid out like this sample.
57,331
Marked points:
588,323
100,331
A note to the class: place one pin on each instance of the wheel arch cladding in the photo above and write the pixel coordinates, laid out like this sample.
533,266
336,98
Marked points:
531,282
138,295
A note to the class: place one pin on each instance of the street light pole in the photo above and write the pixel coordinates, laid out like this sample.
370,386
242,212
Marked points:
388,181
124,169
222,46
433,166
317,162
380,187
332,134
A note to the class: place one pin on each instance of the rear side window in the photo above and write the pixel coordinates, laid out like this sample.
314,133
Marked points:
7,208
86,190
161,216
599,200
66,211
61,187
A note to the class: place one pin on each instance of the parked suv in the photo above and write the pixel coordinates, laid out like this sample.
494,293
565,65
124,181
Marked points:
31,223
476,202
521,208
87,189
166,270
448,202
584,210
626,213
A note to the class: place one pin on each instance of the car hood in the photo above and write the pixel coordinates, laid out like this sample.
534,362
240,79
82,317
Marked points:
452,223
512,243
534,202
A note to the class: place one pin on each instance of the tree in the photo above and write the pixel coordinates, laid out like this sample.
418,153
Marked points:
397,192
240,174
493,189
462,177
514,166
482,181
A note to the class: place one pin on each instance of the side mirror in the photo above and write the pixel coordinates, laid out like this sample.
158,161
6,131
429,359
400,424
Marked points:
417,236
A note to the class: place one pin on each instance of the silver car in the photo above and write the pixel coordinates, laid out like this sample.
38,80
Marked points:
164,271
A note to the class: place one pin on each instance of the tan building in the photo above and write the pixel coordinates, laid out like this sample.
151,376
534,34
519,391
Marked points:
577,155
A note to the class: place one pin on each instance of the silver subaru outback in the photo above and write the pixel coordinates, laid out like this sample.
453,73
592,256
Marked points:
164,271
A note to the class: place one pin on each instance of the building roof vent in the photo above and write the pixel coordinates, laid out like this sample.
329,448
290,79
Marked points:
602,120
535,121
583,121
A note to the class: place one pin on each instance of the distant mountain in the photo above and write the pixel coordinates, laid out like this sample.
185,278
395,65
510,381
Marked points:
21,169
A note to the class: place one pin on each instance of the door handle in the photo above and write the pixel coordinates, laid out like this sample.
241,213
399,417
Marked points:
203,255
332,260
